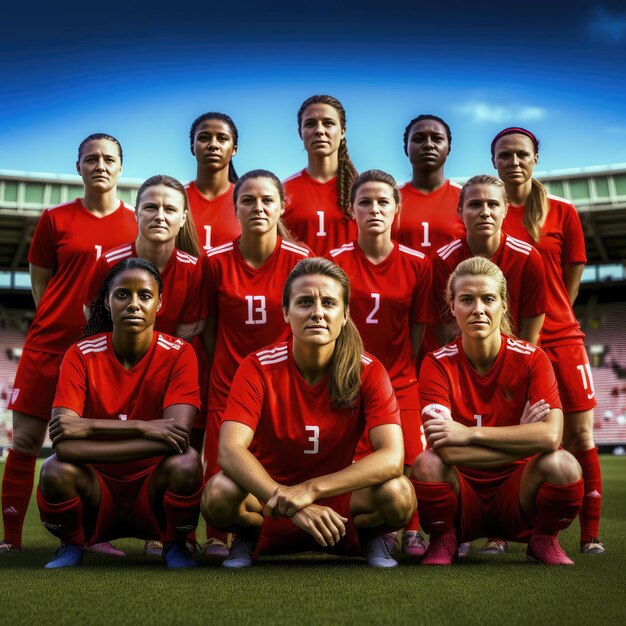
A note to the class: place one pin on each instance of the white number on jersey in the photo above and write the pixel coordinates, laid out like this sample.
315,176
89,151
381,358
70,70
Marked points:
479,420
425,239
256,310
207,236
98,251
585,374
320,224
370,318
314,439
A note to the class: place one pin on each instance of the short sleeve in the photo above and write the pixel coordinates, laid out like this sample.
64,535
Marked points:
71,392
573,239
182,386
422,309
543,385
434,386
245,401
533,300
95,280
379,403
43,245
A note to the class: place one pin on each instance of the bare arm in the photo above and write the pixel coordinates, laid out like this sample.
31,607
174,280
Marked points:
417,334
529,328
572,273
39,279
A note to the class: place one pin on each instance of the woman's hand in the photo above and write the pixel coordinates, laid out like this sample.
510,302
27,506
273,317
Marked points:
63,426
166,431
445,432
286,501
535,413
324,524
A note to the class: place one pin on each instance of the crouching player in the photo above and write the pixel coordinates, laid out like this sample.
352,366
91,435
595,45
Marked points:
124,406
493,422
295,413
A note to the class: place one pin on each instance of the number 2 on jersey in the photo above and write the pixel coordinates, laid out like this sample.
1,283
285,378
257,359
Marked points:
314,439
370,318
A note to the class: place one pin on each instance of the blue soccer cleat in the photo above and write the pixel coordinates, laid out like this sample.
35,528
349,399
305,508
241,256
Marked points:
67,555
176,555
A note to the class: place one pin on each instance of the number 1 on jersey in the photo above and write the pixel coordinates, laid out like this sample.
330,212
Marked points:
98,251
207,236
320,224
425,239
479,420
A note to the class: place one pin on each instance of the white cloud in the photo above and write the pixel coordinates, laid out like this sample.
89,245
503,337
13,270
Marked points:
482,112
608,27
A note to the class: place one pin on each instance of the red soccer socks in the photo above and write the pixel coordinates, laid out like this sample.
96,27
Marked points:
17,487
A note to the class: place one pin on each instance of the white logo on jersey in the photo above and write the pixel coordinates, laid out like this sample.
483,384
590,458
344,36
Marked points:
123,417
14,394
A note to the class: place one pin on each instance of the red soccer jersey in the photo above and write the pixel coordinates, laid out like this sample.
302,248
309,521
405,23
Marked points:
521,265
522,372
68,239
561,242
94,384
385,300
426,221
215,220
247,304
182,297
298,434
313,215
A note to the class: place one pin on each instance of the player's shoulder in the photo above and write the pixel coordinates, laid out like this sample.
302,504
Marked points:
342,250
292,248
114,255
521,347
410,253
92,345
517,246
271,357
294,179
456,187
62,210
220,252
129,207
446,251
168,343
185,258
449,352
562,204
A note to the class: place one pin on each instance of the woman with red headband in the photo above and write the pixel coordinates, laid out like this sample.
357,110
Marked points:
552,225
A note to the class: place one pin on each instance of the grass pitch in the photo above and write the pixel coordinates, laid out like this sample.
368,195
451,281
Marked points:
310,590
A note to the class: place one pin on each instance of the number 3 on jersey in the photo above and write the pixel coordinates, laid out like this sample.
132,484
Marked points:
256,310
314,439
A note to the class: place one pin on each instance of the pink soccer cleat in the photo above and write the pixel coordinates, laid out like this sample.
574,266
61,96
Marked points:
546,549
105,548
442,549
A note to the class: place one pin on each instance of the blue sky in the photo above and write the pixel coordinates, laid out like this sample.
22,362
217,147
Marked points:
143,74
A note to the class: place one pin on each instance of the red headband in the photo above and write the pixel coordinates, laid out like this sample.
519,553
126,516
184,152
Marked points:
514,130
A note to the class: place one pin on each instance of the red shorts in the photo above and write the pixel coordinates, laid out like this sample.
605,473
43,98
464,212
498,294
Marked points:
412,431
125,509
282,536
573,375
36,383
490,507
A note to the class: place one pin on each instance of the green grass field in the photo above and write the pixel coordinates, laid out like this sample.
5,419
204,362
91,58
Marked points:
310,590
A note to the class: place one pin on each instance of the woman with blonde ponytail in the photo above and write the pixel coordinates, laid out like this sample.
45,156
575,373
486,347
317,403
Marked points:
295,413
317,209
552,225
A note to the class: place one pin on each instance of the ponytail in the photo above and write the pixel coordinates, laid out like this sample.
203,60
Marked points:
536,210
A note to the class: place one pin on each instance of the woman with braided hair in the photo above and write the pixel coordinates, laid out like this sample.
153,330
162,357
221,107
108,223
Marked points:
317,207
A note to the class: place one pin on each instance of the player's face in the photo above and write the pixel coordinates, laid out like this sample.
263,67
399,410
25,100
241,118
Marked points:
258,206
100,165
133,300
515,158
213,145
483,210
161,213
374,207
321,130
316,311
477,306
427,145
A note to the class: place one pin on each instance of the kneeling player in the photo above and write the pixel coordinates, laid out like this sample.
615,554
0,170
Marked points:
124,406
494,467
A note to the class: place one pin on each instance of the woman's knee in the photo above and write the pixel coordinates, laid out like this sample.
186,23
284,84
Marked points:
429,467
559,467
220,500
28,433
58,479
183,470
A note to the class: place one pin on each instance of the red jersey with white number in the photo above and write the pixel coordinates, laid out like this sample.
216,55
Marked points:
94,384
313,216
298,434
385,300
215,220
521,373
521,265
68,240
426,221
181,302
247,304
561,242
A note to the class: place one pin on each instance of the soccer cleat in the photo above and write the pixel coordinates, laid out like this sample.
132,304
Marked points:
413,543
464,549
153,548
240,553
442,549
495,546
595,546
105,548
546,549
67,555
213,551
6,547
176,555
378,551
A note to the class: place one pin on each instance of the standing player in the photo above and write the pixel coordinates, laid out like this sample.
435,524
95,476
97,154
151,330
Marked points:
317,199
213,138
67,241
294,416
552,225
125,402
493,422
390,305
242,282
